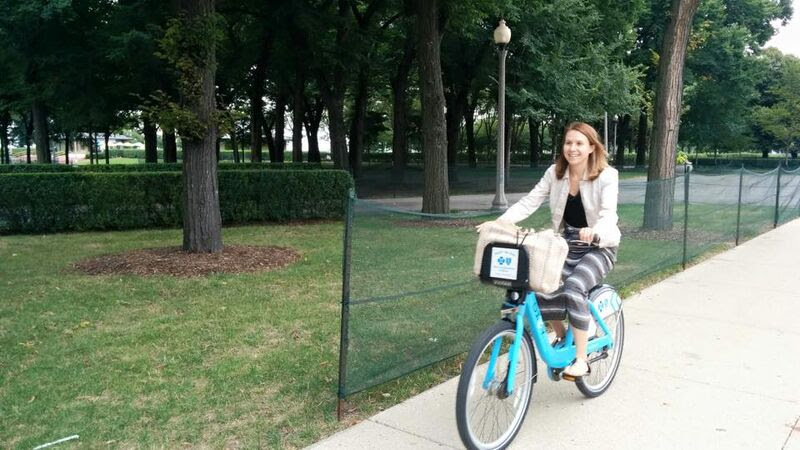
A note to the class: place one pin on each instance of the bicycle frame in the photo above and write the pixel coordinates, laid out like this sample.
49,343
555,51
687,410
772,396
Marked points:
555,357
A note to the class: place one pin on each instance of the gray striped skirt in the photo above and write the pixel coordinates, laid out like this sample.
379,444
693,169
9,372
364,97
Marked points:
585,268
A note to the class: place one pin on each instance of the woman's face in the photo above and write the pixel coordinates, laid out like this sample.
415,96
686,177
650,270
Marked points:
577,148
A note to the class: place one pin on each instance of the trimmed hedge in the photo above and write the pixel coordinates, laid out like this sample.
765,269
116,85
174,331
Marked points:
159,167
79,201
224,154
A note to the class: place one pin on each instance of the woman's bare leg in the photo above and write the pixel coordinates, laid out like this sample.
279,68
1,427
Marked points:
580,367
558,328
581,340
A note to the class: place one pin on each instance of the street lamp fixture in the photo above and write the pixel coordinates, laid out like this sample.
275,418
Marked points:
502,36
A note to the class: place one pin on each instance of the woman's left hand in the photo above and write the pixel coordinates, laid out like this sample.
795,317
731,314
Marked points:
586,235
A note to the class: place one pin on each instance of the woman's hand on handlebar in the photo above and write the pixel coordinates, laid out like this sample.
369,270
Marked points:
588,235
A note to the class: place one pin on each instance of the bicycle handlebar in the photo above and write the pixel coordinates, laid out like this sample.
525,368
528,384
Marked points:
579,243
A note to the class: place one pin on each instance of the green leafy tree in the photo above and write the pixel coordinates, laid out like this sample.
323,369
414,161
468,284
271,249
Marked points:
33,37
723,71
780,120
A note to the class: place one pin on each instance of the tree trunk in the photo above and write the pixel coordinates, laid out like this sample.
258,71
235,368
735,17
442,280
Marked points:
235,145
435,198
333,96
105,135
150,142
313,117
555,138
268,125
257,102
256,118
298,98
313,144
469,128
202,223
666,117
619,156
508,141
5,121
280,127
533,134
41,134
400,109
170,146
542,131
92,152
28,121
641,138
67,145
455,102
359,118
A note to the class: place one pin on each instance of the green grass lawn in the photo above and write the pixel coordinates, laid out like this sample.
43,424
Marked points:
160,361
252,359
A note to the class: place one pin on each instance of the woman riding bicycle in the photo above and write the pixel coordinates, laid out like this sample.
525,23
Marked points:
582,189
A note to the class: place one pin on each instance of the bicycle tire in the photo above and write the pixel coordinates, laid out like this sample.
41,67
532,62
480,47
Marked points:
604,370
472,428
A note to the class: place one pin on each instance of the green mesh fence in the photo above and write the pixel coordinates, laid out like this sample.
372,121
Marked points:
411,299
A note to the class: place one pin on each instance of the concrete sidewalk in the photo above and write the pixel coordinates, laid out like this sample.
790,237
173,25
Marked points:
711,360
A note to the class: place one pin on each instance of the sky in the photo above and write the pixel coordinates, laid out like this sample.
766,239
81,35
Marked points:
788,38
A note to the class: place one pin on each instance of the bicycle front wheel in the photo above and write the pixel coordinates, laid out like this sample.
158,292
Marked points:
487,417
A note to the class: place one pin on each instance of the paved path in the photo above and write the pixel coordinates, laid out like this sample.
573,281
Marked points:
713,189
711,360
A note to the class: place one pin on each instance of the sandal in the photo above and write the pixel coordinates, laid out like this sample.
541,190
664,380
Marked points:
577,369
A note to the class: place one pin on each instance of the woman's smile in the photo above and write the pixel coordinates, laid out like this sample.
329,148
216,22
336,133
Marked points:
576,147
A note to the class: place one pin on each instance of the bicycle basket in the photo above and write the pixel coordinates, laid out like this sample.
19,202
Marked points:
505,265
543,253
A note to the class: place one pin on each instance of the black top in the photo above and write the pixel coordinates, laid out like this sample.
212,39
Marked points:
574,214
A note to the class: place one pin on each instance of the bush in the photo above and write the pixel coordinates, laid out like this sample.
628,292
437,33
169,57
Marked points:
78,201
160,167
224,154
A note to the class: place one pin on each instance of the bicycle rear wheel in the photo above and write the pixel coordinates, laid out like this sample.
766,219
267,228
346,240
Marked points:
604,369
489,418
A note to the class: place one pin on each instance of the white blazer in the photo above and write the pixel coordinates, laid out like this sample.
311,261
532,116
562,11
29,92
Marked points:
599,198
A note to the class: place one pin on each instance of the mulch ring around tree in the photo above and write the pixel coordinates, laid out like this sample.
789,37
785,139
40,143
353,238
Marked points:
175,262
423,223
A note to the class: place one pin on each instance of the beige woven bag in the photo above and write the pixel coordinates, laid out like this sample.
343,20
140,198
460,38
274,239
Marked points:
546,250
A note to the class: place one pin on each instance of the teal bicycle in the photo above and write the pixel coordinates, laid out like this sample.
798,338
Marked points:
496,383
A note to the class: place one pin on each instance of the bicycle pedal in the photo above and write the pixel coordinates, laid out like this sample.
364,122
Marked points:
568,377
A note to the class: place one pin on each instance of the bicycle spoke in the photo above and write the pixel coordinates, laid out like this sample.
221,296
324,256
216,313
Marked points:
487,418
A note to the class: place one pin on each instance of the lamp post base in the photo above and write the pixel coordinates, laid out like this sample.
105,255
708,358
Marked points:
499,203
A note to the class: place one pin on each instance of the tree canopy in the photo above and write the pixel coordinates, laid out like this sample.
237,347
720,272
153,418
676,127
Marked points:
351,72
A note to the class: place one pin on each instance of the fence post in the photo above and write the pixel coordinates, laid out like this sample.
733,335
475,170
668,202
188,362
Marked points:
344,338
777,196
739,204
685,210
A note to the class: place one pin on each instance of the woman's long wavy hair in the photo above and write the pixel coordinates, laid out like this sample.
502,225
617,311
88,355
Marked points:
598,159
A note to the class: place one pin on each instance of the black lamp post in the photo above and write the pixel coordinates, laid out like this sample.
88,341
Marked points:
502,36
